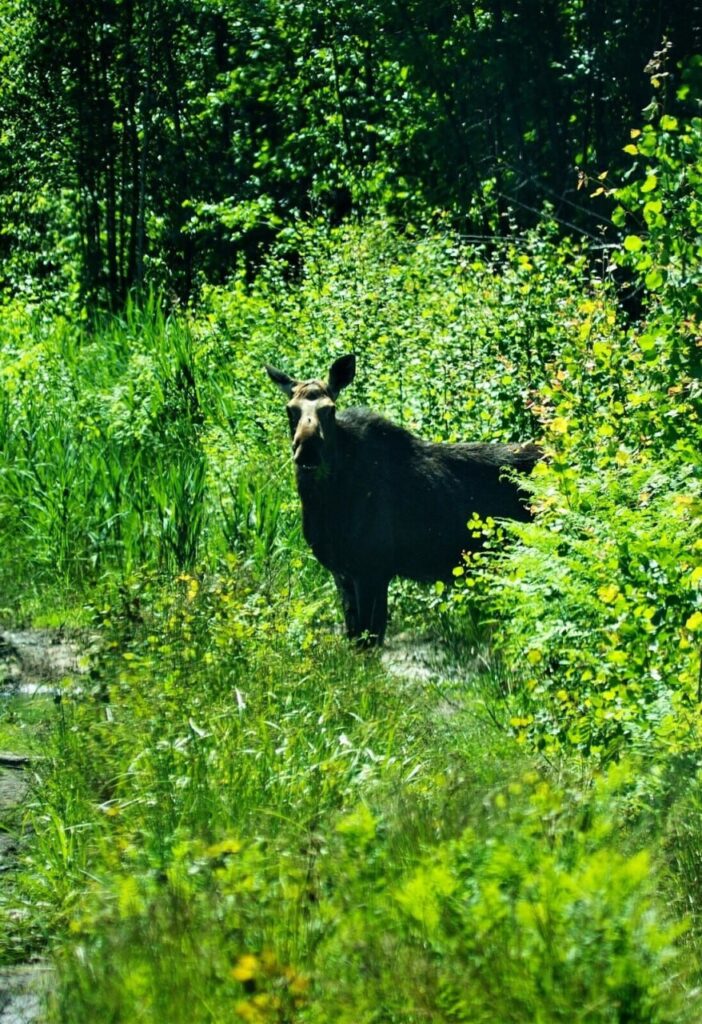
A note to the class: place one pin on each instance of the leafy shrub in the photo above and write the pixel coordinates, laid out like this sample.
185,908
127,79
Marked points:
599,608
661,207
534,915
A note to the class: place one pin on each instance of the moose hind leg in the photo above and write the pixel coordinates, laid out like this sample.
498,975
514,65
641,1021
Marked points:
347,596
372,602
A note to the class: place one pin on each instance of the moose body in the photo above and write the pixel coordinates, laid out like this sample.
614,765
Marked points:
378,502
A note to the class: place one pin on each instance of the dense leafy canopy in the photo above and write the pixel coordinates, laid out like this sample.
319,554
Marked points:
159,142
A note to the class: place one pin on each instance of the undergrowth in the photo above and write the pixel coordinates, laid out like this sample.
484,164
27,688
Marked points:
239,818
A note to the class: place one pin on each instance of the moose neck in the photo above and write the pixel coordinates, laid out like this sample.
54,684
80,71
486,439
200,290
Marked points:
313,483
321,492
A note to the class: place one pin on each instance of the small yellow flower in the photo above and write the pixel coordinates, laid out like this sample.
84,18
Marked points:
246,968
248,1012
299,985
225,847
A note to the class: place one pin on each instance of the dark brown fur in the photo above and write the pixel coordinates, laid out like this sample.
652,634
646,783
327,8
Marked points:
378,502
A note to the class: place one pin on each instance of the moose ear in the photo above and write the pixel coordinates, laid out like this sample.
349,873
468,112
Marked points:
285,383
341,374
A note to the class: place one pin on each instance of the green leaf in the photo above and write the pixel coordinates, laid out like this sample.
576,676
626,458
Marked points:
650,183
619,216
419,894
647,143
360,824
669,123
632,243
654,279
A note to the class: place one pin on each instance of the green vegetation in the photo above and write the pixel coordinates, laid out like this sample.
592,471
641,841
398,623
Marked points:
235,816
164,143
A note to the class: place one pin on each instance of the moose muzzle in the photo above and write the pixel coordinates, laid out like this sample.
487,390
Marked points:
307,445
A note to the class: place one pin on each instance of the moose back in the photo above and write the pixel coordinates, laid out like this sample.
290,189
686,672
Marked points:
378,502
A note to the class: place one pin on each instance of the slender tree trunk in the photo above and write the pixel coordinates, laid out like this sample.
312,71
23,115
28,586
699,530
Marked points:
109,148
87,153
146,107
182,176
340,102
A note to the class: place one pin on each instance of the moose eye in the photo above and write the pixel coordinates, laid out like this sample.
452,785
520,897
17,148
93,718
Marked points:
326,411
293,416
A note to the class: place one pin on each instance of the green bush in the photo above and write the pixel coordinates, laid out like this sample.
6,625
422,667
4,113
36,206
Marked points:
534,914
598,611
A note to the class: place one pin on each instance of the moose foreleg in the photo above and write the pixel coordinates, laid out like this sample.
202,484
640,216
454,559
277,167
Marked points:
347,596
372,603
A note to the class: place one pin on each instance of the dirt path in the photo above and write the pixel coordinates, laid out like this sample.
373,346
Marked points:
420,661
32,662
410,658
20,985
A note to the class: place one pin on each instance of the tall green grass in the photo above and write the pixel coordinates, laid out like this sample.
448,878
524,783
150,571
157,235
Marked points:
268,827
138,442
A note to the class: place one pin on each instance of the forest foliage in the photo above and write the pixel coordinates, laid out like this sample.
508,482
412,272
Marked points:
236,816
162,143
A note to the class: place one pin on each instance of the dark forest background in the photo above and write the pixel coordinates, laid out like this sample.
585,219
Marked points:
163,143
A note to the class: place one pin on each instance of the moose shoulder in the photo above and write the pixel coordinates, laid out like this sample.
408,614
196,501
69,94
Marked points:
378,502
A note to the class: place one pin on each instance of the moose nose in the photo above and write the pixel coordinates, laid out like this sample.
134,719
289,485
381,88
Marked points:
307,443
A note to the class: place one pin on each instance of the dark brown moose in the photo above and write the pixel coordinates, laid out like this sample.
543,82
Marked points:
378,502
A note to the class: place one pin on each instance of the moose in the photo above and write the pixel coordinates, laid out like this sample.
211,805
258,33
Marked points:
379,502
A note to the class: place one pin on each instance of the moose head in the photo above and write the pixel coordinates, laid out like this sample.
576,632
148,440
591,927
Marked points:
312,412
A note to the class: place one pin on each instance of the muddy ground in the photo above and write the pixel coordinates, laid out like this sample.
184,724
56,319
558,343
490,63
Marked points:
35,660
